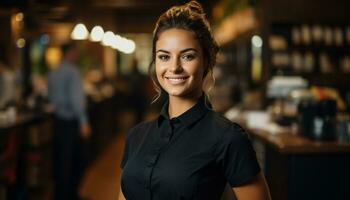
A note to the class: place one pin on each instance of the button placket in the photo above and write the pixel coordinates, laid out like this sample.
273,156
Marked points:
150,164
152,161
148,172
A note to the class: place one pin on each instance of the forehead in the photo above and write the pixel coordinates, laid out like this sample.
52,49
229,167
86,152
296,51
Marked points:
177,39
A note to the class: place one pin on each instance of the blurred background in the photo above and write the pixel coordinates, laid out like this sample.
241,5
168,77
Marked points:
283,72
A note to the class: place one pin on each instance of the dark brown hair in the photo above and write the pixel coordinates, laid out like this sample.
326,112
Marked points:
190,17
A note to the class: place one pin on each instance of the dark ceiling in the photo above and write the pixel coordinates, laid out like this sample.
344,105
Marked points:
118,15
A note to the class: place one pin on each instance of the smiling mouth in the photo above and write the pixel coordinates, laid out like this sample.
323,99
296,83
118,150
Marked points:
176,80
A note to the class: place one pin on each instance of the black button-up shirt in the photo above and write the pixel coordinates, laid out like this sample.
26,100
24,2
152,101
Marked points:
190,157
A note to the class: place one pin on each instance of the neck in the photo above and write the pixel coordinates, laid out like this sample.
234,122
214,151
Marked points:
178,106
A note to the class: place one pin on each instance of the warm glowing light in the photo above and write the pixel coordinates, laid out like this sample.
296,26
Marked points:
21,43
130,47
115,44
19,17
257,41
53,56
118,42
108,38
123,45
97,34
79,32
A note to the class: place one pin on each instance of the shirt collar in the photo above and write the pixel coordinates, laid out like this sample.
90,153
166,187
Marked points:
191,115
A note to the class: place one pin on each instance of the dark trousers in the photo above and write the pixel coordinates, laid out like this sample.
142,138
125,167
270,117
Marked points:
70,154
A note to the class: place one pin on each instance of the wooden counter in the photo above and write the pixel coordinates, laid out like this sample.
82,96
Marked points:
289,143
23,119
297,168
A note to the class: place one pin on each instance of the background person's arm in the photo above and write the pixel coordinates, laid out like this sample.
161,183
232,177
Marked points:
78,102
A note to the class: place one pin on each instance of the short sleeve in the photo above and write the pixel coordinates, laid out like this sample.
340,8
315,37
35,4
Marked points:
236,156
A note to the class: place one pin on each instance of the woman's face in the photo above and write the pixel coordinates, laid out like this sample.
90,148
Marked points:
179,63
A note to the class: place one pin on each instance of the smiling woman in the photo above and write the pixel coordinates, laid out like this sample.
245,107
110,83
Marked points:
189,152
179,64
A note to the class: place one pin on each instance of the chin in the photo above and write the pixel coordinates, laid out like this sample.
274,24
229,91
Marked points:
176,93
181,94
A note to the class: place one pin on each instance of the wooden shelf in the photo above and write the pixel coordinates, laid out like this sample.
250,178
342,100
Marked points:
335,79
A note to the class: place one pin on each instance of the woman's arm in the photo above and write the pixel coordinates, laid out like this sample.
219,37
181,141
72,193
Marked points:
121,195
256,189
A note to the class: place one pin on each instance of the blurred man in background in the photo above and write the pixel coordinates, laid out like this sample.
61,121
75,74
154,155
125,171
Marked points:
72,129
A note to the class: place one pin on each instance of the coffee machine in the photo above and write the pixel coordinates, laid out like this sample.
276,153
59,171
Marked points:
317,119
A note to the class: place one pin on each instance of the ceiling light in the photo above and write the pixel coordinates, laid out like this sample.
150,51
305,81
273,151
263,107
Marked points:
97,34
79,32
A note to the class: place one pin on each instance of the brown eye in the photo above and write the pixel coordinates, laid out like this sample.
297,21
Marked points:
163,57
188,57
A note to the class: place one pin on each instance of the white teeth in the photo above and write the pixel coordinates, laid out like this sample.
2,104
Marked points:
177,80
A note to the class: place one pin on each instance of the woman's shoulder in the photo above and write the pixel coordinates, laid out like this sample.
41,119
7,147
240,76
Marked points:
222,123
225,127
230,135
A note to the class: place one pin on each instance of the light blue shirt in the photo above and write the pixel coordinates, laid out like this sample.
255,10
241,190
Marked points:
66,93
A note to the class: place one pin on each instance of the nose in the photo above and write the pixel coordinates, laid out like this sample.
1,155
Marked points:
175,66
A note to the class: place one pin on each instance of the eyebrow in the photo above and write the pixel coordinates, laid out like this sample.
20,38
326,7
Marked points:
182,51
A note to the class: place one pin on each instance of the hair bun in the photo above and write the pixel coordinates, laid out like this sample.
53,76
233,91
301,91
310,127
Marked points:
195,7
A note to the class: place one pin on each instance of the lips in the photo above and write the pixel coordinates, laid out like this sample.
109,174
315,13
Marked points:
175,80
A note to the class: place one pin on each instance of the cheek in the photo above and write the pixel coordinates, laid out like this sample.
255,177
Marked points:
198,70
199,77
